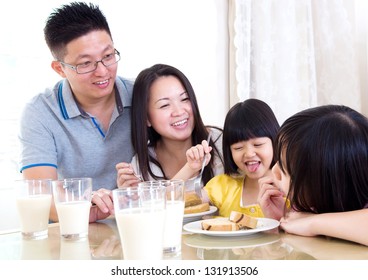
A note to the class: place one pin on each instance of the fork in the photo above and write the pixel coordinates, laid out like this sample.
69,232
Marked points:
197,181
138,176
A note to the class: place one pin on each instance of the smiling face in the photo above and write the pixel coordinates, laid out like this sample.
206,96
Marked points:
169,109
92,47
253,156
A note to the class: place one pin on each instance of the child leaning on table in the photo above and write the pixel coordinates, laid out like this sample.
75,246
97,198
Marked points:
250,128
322,166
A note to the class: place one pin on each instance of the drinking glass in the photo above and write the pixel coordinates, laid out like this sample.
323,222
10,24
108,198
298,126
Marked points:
174,215
73,202
33,199
140,217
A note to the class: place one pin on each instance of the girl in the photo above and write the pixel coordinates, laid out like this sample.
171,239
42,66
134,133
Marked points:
249,131
322,167
165,123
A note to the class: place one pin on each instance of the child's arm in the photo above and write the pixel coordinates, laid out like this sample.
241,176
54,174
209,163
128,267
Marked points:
352,225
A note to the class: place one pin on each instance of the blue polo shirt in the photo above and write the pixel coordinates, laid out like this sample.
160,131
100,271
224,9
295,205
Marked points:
54,131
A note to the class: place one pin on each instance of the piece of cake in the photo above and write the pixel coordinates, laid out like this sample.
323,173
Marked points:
199,208
219,225
191,199
242,220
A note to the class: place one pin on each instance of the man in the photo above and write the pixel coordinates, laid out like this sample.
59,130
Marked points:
80,127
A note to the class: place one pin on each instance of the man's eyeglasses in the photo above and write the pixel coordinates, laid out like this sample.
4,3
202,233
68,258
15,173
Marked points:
90,66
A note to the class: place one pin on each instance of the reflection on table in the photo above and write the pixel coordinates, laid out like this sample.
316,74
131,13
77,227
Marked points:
260,246
103,244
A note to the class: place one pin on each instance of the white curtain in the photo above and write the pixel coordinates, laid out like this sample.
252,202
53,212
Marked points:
296,54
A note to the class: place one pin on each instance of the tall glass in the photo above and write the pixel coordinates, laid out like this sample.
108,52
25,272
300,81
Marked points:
73,202
33,198
174,215
140,217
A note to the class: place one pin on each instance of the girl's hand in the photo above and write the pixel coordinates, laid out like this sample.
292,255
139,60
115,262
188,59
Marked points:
126,176
299,223
271,198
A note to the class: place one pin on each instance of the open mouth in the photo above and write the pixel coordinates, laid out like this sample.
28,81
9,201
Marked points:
102,82
180,123
252,166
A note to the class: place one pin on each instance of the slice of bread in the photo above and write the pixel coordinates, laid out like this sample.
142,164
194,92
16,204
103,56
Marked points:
244,221
191,199
219,225
197,208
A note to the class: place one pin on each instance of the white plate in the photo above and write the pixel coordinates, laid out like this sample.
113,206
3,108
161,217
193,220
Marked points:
262,225
198,216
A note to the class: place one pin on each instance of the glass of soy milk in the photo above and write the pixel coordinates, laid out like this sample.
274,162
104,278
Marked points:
33,199
72,199
140,217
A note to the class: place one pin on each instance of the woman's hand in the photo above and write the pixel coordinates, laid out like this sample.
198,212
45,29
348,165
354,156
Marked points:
126,176
196,154
102,205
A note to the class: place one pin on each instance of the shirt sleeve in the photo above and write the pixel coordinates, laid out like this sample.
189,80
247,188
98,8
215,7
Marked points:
36,140
215,189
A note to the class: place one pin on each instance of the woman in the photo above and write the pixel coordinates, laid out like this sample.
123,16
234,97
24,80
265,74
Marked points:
166,123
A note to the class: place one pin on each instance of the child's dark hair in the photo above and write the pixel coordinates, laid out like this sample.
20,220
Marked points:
325,152
249,119
70,22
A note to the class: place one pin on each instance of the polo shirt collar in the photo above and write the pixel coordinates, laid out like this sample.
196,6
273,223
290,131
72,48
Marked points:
70,109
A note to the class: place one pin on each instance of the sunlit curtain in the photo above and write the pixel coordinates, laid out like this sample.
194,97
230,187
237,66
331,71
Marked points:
296,54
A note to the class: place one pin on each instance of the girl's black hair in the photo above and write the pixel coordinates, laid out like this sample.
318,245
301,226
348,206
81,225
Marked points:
249,119
325,152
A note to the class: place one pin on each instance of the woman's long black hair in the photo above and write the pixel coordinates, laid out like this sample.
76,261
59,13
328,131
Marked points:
142,136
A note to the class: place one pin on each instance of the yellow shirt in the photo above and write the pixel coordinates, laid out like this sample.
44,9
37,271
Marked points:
225,192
